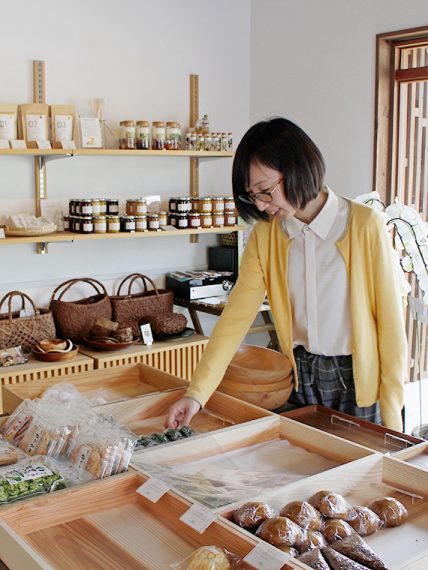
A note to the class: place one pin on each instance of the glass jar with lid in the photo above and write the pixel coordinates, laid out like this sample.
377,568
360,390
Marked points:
127,223
205,204
218,203
173,219
173,136
200,142
163,218
75,224
100,224
66,223
184,204
96,207
86,225
141,223
158,135
206,219
103,206
127,135
172,204
113,224
229,203
143,135
72,206
111,206
194,220
218,219
182,220
153,222
230,218
195,203
86,207
136,206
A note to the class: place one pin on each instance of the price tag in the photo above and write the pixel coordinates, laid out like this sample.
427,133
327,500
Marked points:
18,144
153,489
198,517
418,309
68,144
4,143
43,144
2,234
266,557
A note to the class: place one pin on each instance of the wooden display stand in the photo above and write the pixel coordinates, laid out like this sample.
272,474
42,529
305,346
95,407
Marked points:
417,456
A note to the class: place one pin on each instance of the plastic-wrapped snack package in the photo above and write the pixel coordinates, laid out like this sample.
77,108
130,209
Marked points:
211,558
252,514
27,478
364,521
330,505
8,453
280,531
312,539
64,392
45,437
19,421
390,511
303,514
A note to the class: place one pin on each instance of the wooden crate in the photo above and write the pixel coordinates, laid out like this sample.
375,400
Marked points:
147,414
376,437
178,357
106,524
100,386
290,451
417,456
34,370
403,547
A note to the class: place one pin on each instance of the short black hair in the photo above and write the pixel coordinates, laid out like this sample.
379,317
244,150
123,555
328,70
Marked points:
282,145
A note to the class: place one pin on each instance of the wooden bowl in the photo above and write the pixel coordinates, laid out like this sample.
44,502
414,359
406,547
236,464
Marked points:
100,345
267,396
258,365
56,356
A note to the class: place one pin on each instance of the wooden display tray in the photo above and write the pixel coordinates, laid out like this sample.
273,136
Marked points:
147,414
34,370
101,386
417,456
373,436
403,547
106,524
327,451
178,356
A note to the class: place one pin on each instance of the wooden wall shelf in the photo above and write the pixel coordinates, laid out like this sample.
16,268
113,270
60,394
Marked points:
115,152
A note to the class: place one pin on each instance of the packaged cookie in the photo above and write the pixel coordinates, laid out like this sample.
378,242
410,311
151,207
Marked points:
390,511
330,505
303,514
364,521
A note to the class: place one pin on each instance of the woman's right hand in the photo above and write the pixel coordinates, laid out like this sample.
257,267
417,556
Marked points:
181,412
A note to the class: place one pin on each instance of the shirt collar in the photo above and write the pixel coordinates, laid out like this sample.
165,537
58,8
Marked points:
322,224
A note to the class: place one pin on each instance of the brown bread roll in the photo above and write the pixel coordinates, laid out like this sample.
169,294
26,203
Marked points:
252,514
303,514
390,511
335,529
312,539
364,521
330,505
280,531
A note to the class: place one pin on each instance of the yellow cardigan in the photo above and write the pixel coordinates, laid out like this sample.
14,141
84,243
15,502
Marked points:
379,340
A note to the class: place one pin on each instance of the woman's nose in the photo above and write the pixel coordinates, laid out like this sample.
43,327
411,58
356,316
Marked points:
261,206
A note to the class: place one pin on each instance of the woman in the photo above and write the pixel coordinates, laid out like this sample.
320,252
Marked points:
327,266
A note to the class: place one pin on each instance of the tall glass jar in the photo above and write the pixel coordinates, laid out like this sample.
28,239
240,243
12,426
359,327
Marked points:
143,135
158,135
173,136
127,135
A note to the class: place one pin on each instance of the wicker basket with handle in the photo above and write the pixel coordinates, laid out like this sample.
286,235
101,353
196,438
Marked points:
74,319
26,332
130,309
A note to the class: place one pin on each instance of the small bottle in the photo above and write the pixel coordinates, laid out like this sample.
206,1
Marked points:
100,224
200,142
215,142
143,135
172,204
163,219
229,142
206,219
193,140
182,221
230,218
86,225
127,135
208,142
158,135
96,207
153,222
224,143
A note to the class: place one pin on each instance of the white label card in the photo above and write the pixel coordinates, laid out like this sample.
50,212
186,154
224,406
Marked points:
36,127
43,144
17,144
91,132
68,144
153,489
7,126
4,143
198,517
266,557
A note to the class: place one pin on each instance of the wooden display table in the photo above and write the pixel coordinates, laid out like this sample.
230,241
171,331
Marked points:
178,356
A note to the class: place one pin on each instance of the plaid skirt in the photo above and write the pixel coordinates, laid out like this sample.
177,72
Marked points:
328,381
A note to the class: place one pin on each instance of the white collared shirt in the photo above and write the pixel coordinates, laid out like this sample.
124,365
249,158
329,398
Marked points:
318,282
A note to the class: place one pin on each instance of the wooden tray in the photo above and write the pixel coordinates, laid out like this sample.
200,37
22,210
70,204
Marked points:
100,386
106,524
147,414
353,429
178,357
35,370
417,456
290,450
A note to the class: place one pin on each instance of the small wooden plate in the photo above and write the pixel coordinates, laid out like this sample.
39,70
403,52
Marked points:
56,356
99,345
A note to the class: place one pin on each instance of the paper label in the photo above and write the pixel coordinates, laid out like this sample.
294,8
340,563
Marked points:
36,127
146,334
418,309
43,144
35,441
153,489
17,144
7,126
82,459
198,517
68,144
15,476
266,557
63,128
4,143
2,234
91,132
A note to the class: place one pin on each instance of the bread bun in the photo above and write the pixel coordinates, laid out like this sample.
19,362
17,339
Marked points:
303,514
252,514
280,531
364,521
390,511
330,505
53,344
208,558
312,539
293,552
335,529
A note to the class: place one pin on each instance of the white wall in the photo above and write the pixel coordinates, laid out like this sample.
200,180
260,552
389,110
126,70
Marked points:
138,56
314,62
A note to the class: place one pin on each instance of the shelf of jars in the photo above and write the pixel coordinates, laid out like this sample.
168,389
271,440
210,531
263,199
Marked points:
115,152
70,237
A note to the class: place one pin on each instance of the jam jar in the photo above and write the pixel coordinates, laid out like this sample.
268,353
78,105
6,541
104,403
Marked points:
127,223
195,204
163,218
184,204
153,222
136,206
96,207
229,203
100,224
86,207
86,225
205,204
66,223
218,219
230,218
206,219
75,224
112,206
113,224
141,223
218,204
72,207
173,136
173,219
143,135
182,220
194,220
103,206
172,204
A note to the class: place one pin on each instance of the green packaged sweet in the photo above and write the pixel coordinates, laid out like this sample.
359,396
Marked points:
27,478
187,431
159,437
173,434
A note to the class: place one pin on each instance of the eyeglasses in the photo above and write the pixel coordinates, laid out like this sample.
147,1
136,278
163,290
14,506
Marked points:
265,196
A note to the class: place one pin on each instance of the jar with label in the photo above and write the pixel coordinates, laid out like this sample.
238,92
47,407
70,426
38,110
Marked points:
230,218
215,141
184,204
158,135
86,225
153,222
172,204
195,203
173,136
113,224
229,203
66,223
86,207
127,135
173,219
224,142
141,223
96,207
100,224
103,206
218,204
206,219
72,204
136,206
230,142
143,135
208,142
193,140
75,224
200,142
112,206
182,221
218,219
127,223
163,218
194,220
205,204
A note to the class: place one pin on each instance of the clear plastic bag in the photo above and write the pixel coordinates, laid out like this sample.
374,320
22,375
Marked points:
211,558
